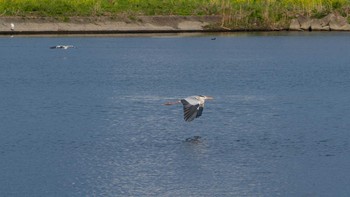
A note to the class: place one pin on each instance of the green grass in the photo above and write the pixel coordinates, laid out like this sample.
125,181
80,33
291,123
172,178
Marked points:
236,13
108,7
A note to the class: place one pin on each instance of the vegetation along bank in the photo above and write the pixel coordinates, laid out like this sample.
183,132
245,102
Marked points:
119,15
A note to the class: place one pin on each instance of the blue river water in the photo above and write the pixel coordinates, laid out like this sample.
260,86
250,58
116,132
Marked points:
89,121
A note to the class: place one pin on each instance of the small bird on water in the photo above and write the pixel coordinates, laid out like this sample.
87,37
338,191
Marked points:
192,105
62,47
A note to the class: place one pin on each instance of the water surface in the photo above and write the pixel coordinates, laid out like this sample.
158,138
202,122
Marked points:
90,121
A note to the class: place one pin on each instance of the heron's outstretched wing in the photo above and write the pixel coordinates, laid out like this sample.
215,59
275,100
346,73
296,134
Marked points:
191,111
200,110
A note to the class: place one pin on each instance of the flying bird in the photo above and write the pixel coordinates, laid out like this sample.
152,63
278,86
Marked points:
62,47
192,105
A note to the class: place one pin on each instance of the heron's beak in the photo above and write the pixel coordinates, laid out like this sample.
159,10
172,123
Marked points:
209,97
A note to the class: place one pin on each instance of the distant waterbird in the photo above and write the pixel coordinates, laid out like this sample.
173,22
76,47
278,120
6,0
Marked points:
192,106
62,47
12,27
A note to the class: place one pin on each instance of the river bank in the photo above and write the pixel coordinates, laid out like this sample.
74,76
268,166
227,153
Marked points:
78,25
156,24
129,16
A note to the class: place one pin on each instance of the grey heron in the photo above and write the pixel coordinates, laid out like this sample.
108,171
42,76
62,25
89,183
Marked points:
192,106
62,47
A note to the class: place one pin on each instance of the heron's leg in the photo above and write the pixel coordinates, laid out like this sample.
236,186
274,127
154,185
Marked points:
172,103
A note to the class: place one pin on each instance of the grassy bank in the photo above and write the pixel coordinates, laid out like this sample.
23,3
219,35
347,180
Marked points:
236,13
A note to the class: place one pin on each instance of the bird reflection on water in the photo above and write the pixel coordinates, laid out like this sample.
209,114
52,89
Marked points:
195,139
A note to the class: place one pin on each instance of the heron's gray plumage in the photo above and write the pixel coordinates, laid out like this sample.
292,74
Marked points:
191,111
193,107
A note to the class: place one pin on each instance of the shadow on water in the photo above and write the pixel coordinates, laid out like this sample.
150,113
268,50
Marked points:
195,139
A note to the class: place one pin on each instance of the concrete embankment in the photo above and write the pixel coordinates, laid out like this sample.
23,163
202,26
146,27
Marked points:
153,24
85,25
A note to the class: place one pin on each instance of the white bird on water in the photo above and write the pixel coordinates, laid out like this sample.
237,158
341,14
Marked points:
192,105
62,47
12,27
